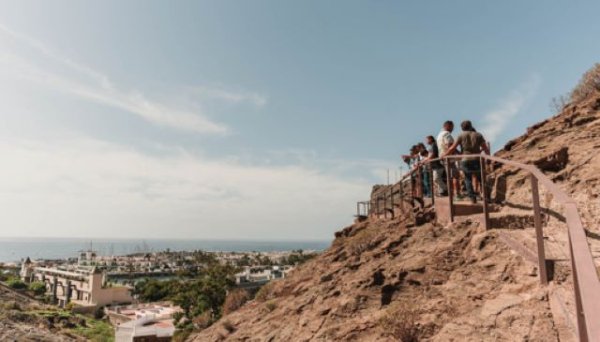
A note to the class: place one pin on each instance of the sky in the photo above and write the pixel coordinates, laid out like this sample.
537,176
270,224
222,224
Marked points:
264,120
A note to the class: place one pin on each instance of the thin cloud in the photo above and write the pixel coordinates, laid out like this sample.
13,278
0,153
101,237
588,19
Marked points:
96,188
496,120
47,67
221,93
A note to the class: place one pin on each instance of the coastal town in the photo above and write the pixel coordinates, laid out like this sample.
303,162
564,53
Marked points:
115,288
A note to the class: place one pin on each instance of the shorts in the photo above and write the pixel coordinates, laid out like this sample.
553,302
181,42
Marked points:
454,171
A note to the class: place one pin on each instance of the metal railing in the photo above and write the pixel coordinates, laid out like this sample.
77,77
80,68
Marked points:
585,278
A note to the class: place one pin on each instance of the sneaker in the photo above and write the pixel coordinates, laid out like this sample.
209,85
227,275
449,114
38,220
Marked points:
473,200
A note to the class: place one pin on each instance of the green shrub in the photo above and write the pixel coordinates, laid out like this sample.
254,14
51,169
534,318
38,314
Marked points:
38,288
16,283
96,331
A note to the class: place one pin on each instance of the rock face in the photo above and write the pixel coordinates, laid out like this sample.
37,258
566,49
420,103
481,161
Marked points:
565,148
382,281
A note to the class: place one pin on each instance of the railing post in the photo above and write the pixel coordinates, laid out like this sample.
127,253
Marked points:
401,196
450,189
539,233
431,184
421,183
392,199
579,316
412,189
484,195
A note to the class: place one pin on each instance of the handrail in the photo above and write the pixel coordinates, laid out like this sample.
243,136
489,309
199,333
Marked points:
585,278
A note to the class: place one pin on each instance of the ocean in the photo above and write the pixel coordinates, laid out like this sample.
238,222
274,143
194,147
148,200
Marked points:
15,249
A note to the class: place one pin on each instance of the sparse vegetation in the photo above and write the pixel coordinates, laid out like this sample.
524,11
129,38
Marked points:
228,326
297,257
96,331
266,292
400,321
16,283
11,305
182,335
558,103
361,241
38,288
589,84
271,305
234,300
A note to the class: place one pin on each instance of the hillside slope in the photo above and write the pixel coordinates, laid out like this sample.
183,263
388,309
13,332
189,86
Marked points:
389,281
565,148
17,324
395,280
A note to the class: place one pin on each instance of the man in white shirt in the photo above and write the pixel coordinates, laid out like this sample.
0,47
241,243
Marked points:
444,141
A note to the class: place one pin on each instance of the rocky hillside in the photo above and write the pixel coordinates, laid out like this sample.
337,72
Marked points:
399,280
565,148
390,281
26,320
17,323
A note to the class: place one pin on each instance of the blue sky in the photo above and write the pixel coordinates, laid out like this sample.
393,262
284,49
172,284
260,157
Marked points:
255,119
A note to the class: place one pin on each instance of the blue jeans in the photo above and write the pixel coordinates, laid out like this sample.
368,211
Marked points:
426,182
470,168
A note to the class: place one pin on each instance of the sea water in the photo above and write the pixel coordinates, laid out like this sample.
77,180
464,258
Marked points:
15,249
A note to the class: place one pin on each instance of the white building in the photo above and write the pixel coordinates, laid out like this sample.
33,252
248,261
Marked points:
84,287
143,322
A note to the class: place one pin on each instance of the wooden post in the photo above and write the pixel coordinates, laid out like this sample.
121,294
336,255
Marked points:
486,212
392,199
581,326
450,193
431,184
412,190
539,233
401,196
420,180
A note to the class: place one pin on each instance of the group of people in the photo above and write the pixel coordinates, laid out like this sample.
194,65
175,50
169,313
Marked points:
465,170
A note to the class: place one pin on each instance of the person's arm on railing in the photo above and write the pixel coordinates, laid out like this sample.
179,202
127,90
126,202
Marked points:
451,149
485,148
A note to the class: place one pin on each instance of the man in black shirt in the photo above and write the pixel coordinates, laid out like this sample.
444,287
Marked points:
436,166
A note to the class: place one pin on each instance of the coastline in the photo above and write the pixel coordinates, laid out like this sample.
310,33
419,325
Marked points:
12,250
